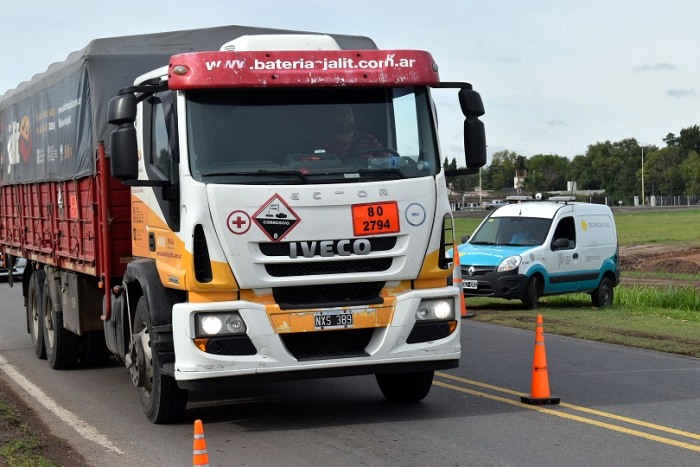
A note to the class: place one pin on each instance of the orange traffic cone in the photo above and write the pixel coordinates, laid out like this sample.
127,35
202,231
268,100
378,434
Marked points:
539,391
457,280
201,458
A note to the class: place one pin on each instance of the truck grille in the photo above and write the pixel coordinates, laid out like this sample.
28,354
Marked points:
328,296
328,344
328,267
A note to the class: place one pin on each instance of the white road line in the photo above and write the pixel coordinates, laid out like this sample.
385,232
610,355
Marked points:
84,429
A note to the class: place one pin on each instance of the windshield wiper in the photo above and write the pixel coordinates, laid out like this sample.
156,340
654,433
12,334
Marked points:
295,173
383,171
482,243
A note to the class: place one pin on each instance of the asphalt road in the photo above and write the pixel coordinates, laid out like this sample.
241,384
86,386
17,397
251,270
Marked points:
620,407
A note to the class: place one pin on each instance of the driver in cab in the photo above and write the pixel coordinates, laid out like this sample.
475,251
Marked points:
345,140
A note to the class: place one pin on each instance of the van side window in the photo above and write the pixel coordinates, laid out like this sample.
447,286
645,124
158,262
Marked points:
566,229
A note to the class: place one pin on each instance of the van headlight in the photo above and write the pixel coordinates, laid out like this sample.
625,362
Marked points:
442,309
510,263
219,324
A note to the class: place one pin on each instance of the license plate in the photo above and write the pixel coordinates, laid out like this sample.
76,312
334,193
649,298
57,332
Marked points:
375,218
470,284
328,320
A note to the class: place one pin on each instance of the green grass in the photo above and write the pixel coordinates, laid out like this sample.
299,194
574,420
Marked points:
465,226
663,275
647,326
19,445
658,227
663,319
632,228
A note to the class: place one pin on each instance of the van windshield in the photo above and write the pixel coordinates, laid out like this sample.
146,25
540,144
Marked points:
512,231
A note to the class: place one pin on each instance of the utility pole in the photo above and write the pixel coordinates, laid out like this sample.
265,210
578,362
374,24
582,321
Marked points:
481,187
642,175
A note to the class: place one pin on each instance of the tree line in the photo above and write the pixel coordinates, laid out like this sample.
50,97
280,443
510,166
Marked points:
615,167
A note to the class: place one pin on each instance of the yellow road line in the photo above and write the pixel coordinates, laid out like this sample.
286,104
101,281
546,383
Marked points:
589,421
577,407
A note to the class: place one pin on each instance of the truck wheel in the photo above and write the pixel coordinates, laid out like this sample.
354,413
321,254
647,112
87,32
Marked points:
61,344
405,387
161,398
93,349
34,316
532,294
603,295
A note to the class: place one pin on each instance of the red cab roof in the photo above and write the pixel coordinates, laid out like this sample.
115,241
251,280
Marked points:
302,68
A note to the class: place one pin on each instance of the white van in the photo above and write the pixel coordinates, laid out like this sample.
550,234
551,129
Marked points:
531,249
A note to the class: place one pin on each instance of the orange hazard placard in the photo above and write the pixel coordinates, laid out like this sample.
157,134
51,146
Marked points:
375,218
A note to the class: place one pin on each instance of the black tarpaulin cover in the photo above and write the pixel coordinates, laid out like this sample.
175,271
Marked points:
50,126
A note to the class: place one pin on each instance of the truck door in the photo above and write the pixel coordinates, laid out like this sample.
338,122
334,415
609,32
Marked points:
162,156
563,263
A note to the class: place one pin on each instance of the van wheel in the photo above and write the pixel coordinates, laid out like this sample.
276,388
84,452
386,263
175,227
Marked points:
603,295
161,398
532,294
34,316
405,387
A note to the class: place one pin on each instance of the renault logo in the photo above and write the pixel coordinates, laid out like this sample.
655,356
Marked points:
470,271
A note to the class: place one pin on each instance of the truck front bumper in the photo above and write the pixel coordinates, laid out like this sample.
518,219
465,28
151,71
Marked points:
387,349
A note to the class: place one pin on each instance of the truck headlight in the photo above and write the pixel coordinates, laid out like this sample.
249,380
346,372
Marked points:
219,324
441,309
510,263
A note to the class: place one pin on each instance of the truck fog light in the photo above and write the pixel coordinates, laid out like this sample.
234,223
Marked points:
442,310
210,325
235,324
429,310
219,324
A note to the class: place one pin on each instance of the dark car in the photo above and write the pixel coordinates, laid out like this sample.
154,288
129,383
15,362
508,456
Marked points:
17,270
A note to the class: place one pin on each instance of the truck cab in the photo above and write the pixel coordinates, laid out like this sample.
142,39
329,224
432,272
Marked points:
230,204
268,242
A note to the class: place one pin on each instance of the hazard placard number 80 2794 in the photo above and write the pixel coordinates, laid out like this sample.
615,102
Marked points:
375,218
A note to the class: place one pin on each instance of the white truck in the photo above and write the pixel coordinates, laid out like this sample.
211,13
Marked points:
245,248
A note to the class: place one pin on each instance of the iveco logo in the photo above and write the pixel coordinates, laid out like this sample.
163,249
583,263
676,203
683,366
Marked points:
470,271
329,248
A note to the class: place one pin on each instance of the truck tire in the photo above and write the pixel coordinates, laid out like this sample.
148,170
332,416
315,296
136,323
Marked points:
61,344
532,294
93,349
603,295
161,398
405,387
34,316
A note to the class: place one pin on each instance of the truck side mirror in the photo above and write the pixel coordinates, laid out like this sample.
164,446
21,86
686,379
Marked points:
121,111
474,133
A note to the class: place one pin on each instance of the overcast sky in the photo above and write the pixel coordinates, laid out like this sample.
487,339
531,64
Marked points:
555,76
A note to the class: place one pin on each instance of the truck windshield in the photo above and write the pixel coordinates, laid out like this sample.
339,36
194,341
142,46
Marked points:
310,135
512,231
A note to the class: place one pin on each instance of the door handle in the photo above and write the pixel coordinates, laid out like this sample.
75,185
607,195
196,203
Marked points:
575,255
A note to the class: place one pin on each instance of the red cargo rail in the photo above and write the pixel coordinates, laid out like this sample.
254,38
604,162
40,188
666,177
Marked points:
59,224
